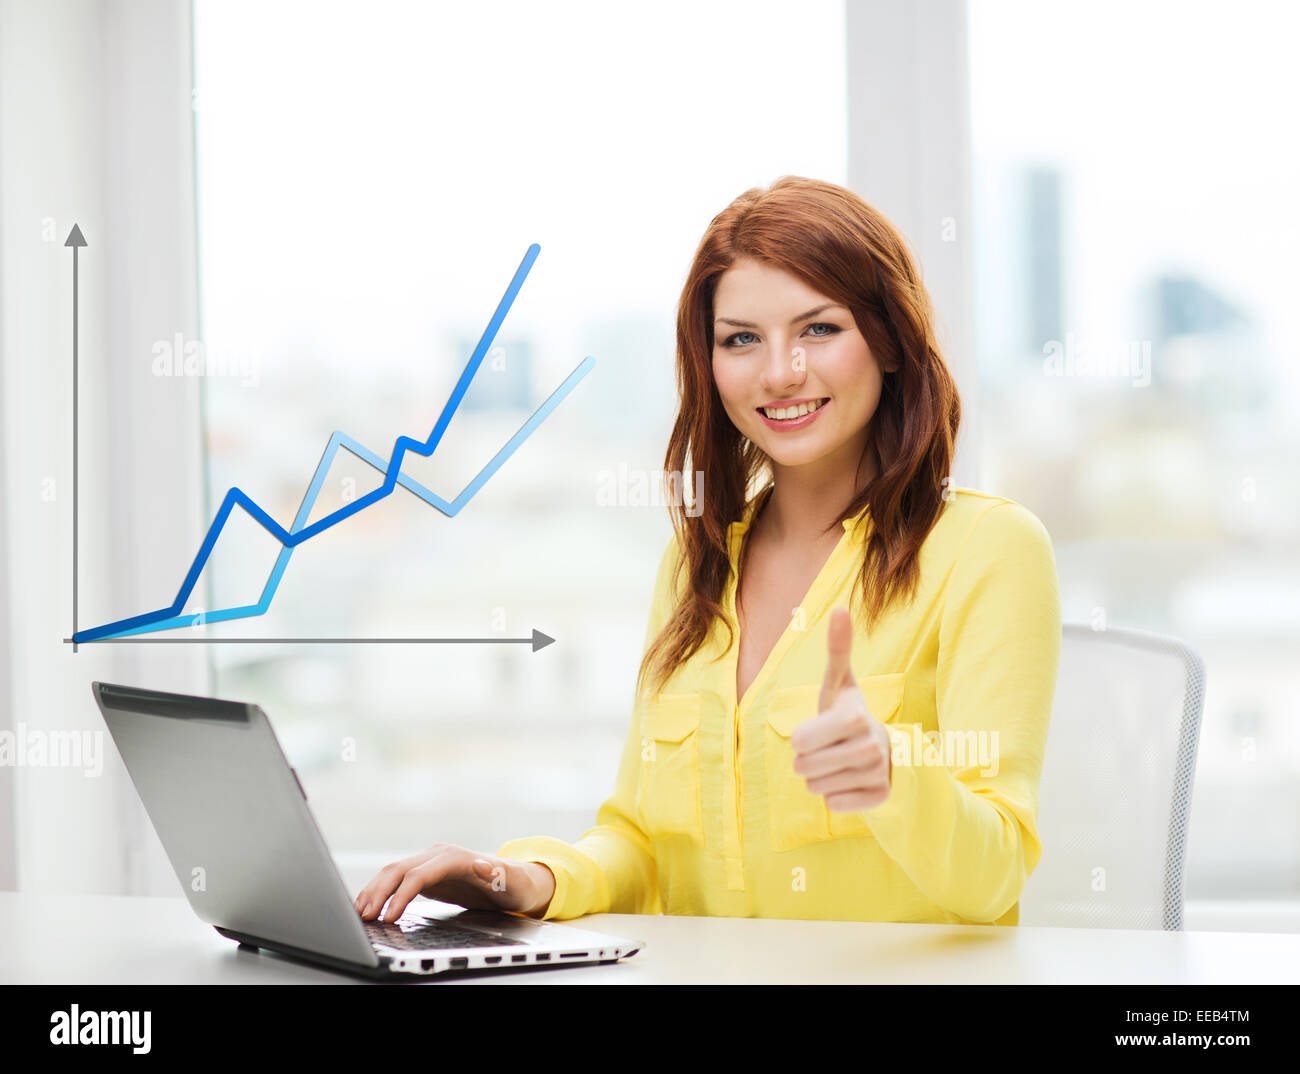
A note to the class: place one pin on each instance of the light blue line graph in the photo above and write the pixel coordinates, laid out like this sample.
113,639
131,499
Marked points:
171,617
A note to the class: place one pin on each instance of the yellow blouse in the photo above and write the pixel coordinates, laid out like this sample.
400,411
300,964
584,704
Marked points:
708,816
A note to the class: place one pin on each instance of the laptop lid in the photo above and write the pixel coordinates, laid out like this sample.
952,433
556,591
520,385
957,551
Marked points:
233,819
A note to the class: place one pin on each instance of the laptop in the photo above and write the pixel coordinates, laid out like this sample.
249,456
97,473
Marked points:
233,819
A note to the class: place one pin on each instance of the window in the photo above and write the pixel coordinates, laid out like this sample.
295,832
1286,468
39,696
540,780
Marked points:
1135,311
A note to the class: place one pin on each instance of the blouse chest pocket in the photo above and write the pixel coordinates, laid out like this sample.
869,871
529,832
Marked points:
668,792
797,815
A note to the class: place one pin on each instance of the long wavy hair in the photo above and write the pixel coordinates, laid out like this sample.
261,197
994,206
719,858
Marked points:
842,247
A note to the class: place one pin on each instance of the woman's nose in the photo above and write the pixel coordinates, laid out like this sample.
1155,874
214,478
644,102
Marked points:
786,367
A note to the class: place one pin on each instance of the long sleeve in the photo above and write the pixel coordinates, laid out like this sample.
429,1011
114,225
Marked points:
966,834
611,868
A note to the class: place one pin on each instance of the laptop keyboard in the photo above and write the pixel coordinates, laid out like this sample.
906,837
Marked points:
435,934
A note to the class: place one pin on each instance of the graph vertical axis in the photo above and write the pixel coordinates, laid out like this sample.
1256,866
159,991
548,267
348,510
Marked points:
75,445
76,241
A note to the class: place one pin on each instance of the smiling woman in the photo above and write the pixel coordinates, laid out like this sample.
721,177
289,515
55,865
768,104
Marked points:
865,604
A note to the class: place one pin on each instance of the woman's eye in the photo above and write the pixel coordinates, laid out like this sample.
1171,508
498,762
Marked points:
833,329
731,340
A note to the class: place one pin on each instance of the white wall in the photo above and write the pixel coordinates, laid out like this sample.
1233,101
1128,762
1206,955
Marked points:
96,128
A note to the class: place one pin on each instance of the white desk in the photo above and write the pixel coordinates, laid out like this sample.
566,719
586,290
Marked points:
112,939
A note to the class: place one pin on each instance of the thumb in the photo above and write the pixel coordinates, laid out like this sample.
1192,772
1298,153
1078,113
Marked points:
486,872
839,644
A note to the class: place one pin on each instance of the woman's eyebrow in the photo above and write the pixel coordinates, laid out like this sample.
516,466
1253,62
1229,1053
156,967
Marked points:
794,320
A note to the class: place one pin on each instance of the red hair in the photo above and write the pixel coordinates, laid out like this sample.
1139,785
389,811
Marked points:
845,249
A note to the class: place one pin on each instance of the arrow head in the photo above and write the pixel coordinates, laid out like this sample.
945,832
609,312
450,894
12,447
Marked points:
75,237
540,640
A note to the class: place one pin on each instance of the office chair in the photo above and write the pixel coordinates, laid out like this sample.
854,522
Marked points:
1117,782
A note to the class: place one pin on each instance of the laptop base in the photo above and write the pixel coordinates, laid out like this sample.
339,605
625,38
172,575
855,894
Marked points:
382,972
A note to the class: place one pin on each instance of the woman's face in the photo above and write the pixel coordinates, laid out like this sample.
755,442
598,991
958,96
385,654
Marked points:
779,343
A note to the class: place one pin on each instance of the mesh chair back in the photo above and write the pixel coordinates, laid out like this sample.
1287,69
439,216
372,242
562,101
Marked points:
1117,782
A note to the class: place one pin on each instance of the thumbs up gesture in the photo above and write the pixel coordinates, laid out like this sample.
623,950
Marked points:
843,753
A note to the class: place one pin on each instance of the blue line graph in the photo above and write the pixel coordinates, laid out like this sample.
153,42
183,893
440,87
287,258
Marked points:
170,617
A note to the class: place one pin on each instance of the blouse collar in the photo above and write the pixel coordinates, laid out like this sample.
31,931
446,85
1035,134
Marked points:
737,530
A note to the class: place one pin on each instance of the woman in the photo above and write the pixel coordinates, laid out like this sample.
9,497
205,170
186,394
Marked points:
848,676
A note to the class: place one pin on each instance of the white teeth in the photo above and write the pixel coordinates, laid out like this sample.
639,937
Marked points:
786,413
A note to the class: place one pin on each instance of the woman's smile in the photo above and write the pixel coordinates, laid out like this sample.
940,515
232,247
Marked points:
792,415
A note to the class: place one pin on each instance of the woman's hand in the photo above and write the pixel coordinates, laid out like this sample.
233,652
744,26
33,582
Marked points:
843,752
464,877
